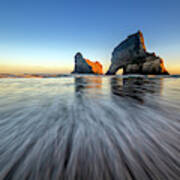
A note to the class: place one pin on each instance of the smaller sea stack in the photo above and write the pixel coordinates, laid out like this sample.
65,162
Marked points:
86,66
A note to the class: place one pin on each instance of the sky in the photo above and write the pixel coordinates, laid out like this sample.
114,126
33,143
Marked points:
42,36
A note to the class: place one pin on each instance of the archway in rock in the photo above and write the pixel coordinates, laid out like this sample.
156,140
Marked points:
119,71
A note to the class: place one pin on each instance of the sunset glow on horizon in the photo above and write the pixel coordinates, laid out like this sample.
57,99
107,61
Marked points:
58,69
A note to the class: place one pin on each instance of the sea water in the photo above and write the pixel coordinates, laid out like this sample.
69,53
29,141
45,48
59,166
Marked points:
90,128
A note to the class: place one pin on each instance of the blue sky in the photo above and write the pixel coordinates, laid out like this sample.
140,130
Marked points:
43,36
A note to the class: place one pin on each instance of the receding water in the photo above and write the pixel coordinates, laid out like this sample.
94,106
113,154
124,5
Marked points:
90,128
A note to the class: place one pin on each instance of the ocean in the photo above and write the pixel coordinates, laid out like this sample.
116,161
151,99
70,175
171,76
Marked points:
86,127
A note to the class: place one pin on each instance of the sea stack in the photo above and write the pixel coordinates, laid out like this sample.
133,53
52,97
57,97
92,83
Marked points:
85,66
131,55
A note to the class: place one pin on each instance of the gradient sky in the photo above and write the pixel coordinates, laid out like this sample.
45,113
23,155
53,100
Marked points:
43,36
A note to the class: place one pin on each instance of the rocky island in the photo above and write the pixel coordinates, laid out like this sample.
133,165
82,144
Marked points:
131,55
86,66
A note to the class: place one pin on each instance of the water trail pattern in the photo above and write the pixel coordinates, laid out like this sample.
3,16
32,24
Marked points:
90,128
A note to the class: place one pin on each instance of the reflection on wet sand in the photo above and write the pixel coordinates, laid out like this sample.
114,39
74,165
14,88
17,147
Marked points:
135,88
83,83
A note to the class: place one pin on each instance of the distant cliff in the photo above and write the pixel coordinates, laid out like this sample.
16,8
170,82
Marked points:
86,66
131,55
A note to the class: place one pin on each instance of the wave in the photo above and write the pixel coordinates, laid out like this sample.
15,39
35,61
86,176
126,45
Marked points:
90,128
